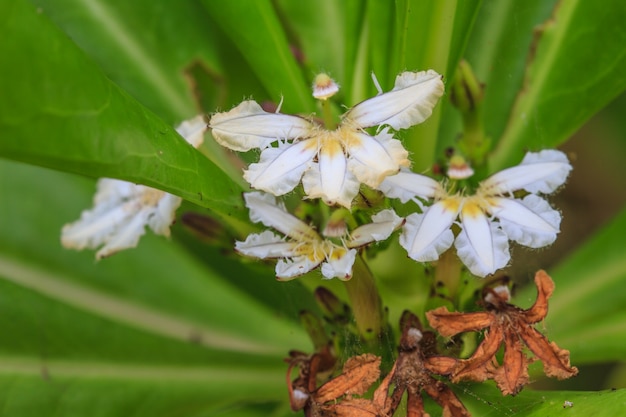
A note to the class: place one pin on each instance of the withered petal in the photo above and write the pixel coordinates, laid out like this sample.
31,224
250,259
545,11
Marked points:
481,365
451,323
447,399
545,287
440,365
359,373
513,374
556,361
415,405
352,407
381,398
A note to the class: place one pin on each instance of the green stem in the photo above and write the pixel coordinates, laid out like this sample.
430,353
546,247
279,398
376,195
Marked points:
365,301
327,115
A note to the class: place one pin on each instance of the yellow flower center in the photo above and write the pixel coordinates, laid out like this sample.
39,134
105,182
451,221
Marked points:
318,250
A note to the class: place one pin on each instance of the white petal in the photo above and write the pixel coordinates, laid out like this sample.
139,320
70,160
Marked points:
115,203
280,169
248,126
372,159
543,172
407,185
111,192
287,269
193,130
383,225
164,214
481,245
339,266
426,236
530,222
265,245
264,208
330,179
411,101
126,235
94,228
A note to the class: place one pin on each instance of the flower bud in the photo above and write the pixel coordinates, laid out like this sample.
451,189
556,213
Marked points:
324,87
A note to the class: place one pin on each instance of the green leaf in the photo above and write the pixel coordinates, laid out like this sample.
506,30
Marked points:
320,32
381,24
431,35
587,315
253,26
145,47
58,110
101,389
157,330
564,85
498,53
486,401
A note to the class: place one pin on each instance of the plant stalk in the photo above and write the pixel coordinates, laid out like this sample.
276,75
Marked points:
448,272
365,301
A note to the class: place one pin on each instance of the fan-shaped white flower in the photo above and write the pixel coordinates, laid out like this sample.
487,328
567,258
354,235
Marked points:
330,164
489,218
301,248
123,209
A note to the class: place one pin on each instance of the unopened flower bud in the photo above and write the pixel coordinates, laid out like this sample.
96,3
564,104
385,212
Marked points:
498,296
333,308
459,169
324,87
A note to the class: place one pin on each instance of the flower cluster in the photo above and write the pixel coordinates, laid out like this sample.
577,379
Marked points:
123,209
333,164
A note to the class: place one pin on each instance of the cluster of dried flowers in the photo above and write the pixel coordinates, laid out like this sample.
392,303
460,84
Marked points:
420,369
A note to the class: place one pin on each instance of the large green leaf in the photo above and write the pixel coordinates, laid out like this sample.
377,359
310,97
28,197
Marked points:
143,46
321,33
498,51
143,320
254,27
486,401
100,390
587,314
431,35
58,110
576,68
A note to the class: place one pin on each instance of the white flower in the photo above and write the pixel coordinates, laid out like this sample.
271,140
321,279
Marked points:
330,164
302,249
123,209
489,218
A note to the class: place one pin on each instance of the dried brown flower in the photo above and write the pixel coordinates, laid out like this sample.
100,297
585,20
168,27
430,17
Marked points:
509,325
334,398
413,372
414,369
